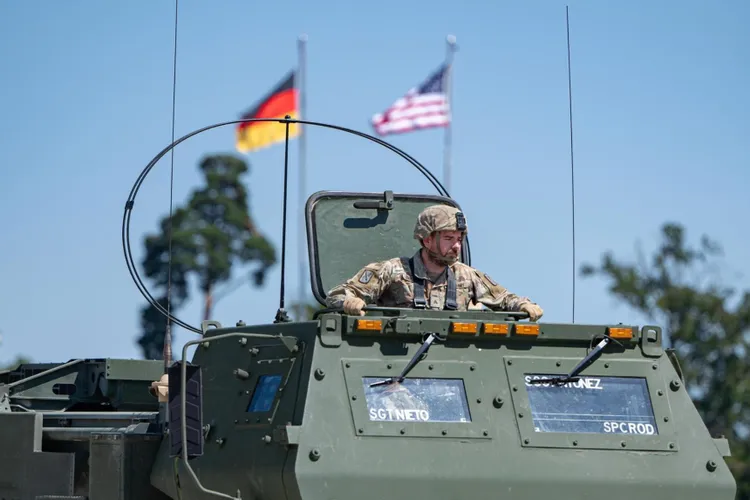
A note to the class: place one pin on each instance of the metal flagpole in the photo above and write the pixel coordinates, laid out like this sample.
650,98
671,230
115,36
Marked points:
450,51
301,86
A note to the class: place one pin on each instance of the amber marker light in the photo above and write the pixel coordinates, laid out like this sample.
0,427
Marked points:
463,327
620,333
526,330
496,329
369,324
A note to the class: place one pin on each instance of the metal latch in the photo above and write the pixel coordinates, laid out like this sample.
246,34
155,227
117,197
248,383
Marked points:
387,204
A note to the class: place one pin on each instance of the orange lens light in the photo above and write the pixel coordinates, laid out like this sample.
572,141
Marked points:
527,330
369,324
464,327
620,333
496,329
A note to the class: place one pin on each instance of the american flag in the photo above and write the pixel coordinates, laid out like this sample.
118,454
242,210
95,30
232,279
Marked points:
422,107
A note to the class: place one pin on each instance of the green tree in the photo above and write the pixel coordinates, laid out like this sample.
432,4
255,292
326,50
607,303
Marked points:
707,324
212,234
20,360
305,311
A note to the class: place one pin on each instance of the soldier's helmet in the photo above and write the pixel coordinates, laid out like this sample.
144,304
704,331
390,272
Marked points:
439,218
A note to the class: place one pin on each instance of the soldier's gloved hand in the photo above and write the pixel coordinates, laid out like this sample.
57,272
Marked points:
535,312
353,306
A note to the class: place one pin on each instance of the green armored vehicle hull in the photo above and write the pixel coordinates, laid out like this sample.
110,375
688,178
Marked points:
398,404
294,417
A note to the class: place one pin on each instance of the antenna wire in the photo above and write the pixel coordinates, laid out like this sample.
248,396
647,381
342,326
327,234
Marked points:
572,175
167,352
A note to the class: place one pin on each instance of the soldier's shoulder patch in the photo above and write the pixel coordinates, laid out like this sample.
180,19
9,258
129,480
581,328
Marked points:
366,277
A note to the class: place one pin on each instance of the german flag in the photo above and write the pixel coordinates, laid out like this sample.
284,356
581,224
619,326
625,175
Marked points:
281,101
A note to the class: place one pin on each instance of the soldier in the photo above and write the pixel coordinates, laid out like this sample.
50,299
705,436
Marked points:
432,278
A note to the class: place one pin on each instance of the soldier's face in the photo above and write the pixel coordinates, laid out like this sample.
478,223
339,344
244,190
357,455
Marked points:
445,243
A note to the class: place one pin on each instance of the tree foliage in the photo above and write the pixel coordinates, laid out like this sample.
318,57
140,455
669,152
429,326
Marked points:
211,234
707,324
305,311
20,360
12,365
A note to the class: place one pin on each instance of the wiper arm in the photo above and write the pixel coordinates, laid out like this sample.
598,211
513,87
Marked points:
586,361
412,362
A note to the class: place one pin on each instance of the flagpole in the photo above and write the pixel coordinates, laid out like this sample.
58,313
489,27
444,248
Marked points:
301,85
447,138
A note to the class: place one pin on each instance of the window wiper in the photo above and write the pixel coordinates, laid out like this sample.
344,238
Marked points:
412,362
586,361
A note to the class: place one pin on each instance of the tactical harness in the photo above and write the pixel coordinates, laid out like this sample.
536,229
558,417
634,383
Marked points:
420,301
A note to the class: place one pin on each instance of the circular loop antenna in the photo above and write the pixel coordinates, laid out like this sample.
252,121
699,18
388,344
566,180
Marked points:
129,204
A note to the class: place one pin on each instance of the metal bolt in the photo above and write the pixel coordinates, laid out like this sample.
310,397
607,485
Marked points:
510,361
479,400
319,374
472,367
403,431
243,340
485,433
348,365
444,432
266,438
240,323
241,374
666,419
498,401
314,454
575,443
674,385
654,366
711,465
526,441
623,444
660,392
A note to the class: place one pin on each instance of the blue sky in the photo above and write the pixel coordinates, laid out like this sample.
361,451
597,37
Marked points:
661,118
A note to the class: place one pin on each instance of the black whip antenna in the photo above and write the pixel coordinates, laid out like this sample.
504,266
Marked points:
167,350
572,176
281,314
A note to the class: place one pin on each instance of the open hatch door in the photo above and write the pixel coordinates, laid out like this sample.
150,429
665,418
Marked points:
346,231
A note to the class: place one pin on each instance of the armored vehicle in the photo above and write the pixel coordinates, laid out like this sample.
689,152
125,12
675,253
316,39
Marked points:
398,404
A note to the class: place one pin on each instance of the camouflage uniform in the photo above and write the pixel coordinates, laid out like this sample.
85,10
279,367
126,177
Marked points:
389,283
405,282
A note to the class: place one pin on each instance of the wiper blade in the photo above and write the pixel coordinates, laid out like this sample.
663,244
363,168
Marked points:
586,361
412,362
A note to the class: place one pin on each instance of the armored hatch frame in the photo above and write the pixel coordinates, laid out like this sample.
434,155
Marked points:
348,230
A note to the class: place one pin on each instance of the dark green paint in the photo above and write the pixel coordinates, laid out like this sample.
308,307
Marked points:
316,441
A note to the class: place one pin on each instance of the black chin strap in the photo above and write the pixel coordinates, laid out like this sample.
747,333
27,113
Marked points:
420,301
